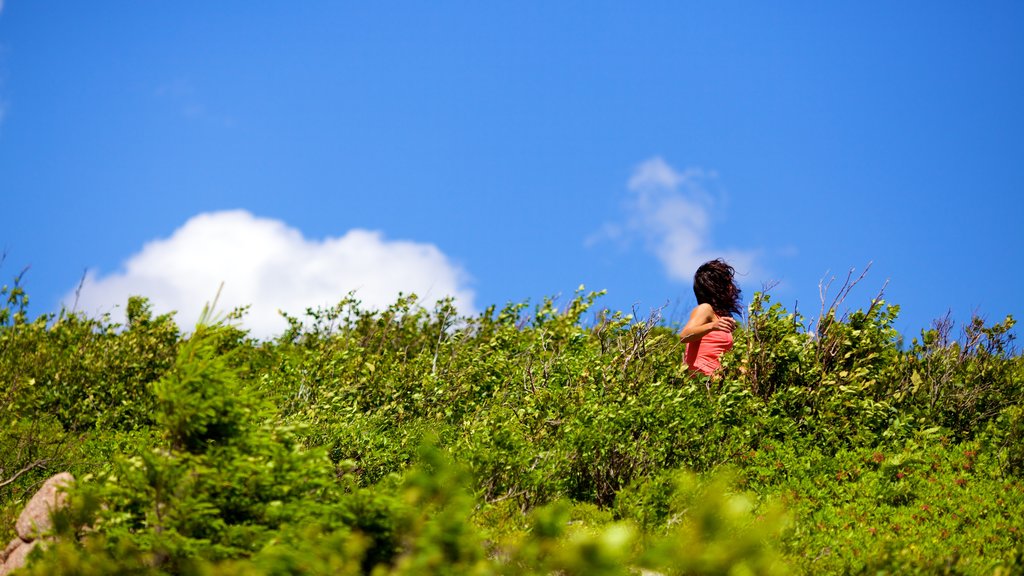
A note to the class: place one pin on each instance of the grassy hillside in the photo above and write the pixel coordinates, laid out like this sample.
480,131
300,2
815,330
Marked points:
555,438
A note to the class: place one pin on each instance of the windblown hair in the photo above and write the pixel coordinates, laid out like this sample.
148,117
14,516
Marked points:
713,284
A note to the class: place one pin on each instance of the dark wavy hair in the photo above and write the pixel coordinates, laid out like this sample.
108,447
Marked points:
714,284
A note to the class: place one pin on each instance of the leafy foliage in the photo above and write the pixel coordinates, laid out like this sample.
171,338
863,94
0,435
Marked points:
552,439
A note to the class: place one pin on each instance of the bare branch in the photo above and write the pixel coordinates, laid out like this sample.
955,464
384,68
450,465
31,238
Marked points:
78,290
878,297
37,464
842,293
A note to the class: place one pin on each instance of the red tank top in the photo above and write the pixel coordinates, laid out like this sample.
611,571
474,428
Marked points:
703,355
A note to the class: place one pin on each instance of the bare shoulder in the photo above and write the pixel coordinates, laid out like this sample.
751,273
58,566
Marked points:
703,313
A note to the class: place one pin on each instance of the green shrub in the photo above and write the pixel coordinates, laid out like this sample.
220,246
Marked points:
557,442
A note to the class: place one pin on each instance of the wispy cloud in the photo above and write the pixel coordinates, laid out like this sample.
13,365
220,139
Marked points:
670,212
267,264
184,97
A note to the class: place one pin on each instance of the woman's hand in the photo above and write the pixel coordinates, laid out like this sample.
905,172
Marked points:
724,323
703,320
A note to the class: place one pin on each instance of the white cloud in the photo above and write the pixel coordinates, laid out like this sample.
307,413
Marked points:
183,96
670,212
271,266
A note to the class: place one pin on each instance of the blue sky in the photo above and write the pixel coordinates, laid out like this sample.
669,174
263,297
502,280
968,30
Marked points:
509,151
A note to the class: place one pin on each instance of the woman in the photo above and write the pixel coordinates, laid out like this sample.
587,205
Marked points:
708,333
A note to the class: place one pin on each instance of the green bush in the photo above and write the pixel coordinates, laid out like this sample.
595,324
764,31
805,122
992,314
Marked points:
525,440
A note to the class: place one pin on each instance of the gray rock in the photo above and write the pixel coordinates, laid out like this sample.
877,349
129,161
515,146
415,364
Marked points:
35,518
17,558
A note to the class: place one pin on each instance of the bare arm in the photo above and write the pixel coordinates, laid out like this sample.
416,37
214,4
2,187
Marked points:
703,320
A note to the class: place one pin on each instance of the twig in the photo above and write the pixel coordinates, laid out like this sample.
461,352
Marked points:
878,297
78,290
840,297
440,334
37,464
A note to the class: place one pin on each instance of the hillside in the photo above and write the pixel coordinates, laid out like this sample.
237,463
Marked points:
552,438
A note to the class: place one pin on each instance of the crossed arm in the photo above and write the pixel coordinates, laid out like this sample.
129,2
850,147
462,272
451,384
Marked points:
703,320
